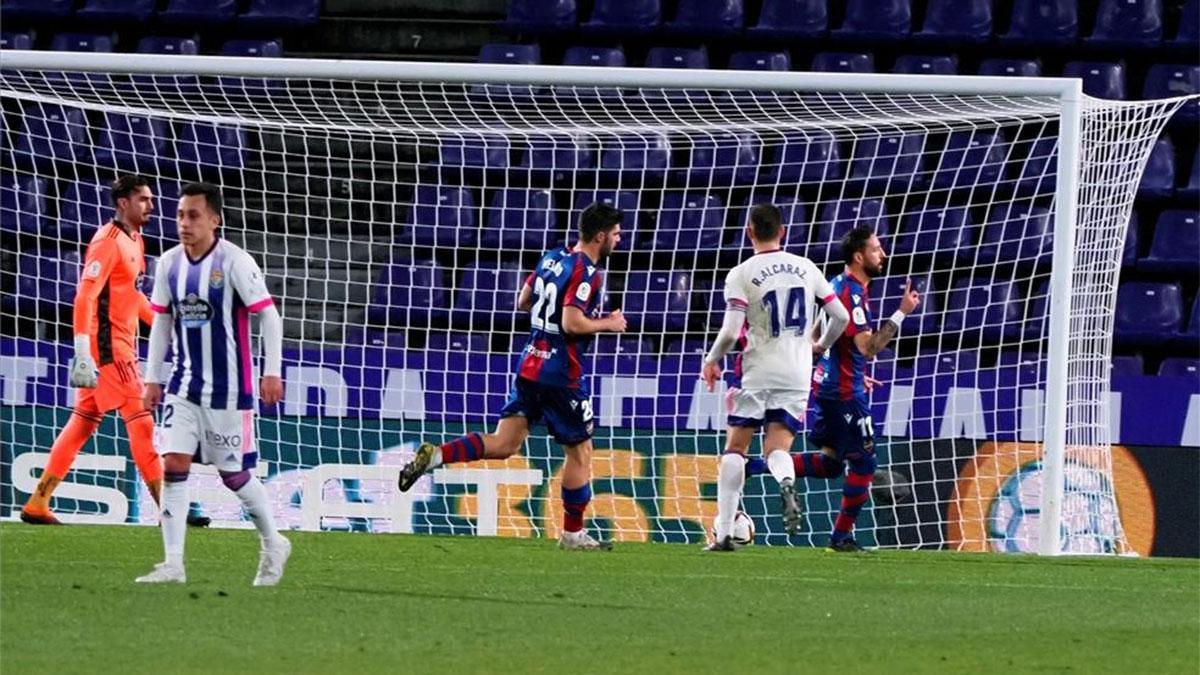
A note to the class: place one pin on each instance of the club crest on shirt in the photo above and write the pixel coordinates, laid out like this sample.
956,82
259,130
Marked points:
93,269
216,279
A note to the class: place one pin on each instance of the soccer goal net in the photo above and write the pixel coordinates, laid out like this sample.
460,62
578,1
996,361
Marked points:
397,208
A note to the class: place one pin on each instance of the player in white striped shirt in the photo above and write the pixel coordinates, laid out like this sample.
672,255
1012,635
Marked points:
204,292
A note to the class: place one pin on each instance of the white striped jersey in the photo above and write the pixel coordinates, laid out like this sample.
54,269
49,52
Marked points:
211,300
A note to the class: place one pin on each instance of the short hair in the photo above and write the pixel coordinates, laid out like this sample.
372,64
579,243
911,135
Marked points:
211,193
767,221
126,184
597,218
855,241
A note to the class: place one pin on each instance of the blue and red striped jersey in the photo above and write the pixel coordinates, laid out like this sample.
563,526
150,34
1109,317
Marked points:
840,372
563,278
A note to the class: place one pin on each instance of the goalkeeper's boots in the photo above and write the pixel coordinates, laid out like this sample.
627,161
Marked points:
722,544
197,520
164,573
271,561
847,545
38,516
582,541
417,467
791,506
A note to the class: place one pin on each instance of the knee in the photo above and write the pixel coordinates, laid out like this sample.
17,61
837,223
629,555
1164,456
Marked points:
234,480
732,463
176,467
862,462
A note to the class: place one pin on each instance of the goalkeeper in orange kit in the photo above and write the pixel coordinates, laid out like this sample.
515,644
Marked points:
105,369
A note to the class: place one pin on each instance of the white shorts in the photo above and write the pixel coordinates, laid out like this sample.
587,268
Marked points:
222,438
756,407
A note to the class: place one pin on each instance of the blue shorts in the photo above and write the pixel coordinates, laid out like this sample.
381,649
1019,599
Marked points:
844,426
566,412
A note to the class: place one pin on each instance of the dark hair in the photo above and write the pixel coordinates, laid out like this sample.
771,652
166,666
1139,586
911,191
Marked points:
767,221
126,184
597,218
855,241
211,193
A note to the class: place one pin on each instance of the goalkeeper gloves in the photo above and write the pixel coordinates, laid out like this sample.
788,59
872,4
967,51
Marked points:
83,368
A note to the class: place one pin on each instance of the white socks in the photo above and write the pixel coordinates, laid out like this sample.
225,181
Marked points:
779,462
173,520
731,476
254,499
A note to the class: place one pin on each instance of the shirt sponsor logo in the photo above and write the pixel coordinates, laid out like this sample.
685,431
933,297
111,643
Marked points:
194,312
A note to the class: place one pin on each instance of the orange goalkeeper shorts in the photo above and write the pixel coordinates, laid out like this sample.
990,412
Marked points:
118,382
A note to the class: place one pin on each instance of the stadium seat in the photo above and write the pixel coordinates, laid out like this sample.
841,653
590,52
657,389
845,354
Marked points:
410,294
1030,366
16,40
134,143
1102,80
81,42
795,222
717,157
46,283
1136,23
1011,67
37,9
511,54
154,44
475,343
915,64
607,343
956,21
1165,81
1127,366
1039,171
691,222
839,62
82,209
885,297
163,224
52,133
474,153
972,160
946,234
1158,179
266,48
1129,256
536,17
624,17
626,201
1049,22
560,158
1192,189
892,161
1176,244
811,158
114,11
838,218
645,157
790,20
760,61
443,217
992,307
22,204
1188,33
519,219
168,45
206,150
659,300
198,12
932,362
877,20
677,57
486,296
1148,314
267,15
1180,367
706,19
594,56
1191,334
1017,233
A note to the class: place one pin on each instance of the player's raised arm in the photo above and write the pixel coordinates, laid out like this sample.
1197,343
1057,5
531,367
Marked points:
870,342
97,269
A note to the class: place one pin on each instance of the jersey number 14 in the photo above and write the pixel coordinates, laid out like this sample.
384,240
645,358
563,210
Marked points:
793,316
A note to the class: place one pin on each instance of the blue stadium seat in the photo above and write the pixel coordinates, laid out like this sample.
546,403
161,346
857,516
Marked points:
155,44
37,9
717,157
1039,305
1049,22
1148,314
931,362
16,40
163,224
474,153
46,283
1130,365
1039,171
992,307
841,62
1158,179
52,133
476,343
790,20
607,343
1189,24
1192,189
645,157
206,150
560,158
838,218
1011,67
972,160
1017,233
795,222
135,143
624,17
1180,367
691,222
626,201
594,56
1169,80
877,20
1102,80
280,14
890,161
707,19
536,17
1030,366
944,233
1176,244
814,157
199,12
112,11
168,45
1191,334
1136,23
511,54
443,217
410,294
760,61
885,297
83,208
486,296
265,48
22,204
677,57
660,300
520,219
1129,256
957,21
81,42
915,64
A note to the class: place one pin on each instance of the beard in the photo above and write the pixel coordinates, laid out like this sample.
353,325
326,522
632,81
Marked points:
875,271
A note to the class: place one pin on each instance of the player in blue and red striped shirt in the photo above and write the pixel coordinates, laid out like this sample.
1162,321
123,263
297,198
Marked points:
841,415
562,296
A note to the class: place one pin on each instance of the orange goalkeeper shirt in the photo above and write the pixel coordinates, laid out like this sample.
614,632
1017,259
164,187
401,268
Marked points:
108,303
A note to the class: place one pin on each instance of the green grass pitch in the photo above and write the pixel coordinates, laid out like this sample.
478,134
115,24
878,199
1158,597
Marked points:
356,603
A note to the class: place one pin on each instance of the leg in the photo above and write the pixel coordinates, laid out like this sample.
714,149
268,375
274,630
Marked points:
826,431
84,421
172,520
139,425
506,441
576,484
859,446
275,549
779,440
731,477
